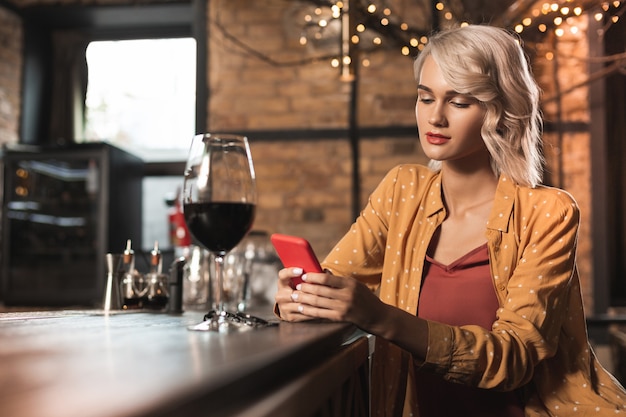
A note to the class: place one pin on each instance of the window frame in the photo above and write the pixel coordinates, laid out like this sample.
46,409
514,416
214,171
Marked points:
98,23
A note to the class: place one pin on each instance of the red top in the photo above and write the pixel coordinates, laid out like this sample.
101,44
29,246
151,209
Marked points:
460,294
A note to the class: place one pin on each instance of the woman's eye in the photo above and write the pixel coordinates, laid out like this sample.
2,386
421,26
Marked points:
460,105
424,99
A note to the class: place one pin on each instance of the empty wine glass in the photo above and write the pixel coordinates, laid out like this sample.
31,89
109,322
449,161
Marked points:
219,204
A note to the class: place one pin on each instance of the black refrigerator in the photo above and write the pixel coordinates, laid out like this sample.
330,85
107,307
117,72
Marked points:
63,209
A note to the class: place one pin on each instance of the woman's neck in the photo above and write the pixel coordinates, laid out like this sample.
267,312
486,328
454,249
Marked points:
465,190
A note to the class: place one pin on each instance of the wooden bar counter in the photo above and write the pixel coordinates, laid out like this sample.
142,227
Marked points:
91,364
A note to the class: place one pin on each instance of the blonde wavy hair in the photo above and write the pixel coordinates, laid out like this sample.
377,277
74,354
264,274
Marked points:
489,64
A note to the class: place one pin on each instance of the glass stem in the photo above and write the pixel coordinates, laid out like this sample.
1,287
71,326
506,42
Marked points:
219,272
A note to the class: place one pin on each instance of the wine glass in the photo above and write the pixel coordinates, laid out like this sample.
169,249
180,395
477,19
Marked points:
219,204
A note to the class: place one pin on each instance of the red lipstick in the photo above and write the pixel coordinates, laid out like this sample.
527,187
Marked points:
436,138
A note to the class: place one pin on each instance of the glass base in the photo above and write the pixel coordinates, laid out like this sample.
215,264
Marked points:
225,321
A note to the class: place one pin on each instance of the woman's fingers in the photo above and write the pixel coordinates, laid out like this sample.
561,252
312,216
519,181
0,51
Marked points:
288,273
284,297
320,295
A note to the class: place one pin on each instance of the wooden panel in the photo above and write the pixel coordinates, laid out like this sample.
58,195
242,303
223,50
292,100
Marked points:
338,387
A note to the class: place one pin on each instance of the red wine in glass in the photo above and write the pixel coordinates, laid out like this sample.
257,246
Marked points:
219,205
219,227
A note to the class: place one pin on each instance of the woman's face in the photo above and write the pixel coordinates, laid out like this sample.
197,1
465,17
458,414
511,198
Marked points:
449,122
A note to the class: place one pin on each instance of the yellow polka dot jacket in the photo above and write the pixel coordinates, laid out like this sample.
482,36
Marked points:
538,343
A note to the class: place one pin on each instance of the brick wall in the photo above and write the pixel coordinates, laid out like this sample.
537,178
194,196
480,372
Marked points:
10,75
568,152
304,185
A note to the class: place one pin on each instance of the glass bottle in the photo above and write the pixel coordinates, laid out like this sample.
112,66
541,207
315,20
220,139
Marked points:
132,282
157,291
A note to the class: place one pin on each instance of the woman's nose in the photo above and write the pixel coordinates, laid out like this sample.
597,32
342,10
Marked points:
437,117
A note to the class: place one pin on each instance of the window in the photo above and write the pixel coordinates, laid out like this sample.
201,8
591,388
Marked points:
141,96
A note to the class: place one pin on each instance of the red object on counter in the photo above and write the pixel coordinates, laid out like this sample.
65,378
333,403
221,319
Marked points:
179,234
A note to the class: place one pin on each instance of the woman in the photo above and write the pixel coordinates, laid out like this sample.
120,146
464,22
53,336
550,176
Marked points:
479,308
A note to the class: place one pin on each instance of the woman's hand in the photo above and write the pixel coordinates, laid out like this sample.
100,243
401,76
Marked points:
326,296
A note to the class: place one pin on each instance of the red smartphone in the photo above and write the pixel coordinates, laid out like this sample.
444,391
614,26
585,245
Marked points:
295,251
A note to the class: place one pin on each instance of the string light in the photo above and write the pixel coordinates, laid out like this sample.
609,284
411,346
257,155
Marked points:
318,21
562,13
373,22
376,23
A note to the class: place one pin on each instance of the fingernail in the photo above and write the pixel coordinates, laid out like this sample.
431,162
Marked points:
303,277
299,287
294,296
297,271
300,308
